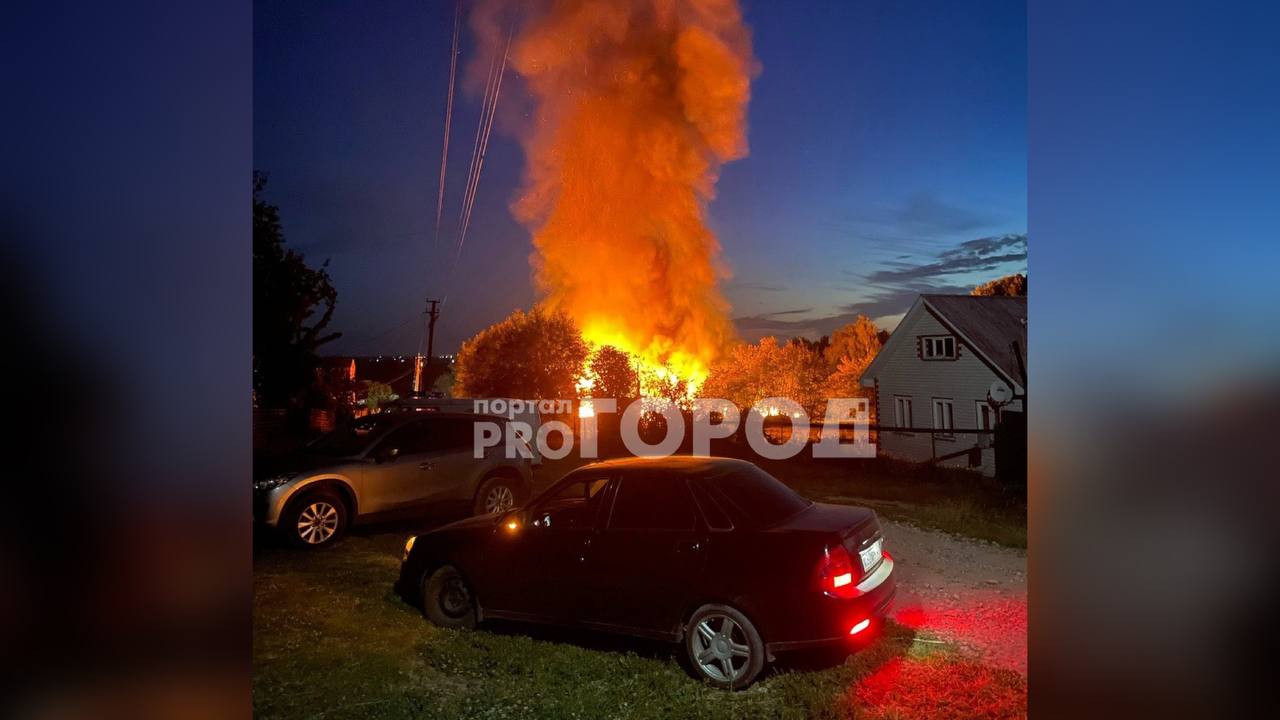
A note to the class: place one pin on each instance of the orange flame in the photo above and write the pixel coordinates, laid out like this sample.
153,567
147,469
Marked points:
637,105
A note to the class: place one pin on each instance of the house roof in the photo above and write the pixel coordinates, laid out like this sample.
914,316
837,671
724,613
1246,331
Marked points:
987,324
990,324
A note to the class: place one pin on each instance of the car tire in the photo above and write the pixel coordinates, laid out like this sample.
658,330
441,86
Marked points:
316,520
723,647
498,493
447,599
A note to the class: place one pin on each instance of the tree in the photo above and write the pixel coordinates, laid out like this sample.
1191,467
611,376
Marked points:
444,383
750,373
739,376
857,342
800,375
287,295
818,346
853,347
534,355
612,374
1009,286
377,394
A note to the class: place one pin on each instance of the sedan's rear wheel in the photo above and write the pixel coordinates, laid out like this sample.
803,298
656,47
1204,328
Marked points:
447,599
723,646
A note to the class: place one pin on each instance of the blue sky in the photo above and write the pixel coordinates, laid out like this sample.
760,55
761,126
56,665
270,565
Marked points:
888,157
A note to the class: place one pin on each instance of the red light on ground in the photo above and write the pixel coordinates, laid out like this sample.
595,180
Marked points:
860,627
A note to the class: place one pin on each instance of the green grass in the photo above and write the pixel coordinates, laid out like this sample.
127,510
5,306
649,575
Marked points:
331,640
961,516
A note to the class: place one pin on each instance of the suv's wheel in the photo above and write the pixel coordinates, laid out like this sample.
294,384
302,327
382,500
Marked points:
496,495
447,600
316,520
723,646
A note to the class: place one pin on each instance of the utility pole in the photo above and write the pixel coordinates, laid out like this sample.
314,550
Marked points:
433,312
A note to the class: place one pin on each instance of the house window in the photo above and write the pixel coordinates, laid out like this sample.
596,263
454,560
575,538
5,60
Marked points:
902,411
939,347
986,415
943,416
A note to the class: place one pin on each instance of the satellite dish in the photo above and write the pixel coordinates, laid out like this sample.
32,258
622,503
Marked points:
999,393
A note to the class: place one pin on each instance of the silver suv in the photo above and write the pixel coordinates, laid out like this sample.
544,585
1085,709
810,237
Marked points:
387,465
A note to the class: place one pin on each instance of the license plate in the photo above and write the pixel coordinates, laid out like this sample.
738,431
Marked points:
871,555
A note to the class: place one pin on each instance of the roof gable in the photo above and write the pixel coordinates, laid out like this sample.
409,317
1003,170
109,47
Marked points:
988,324
891,344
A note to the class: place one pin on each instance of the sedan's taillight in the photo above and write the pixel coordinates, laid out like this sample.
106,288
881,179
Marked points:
836,572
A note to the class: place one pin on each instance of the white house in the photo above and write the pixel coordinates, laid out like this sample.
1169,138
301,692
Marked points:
937,371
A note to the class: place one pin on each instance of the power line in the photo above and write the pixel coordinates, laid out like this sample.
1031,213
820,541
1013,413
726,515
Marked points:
484,147
483,130
448,117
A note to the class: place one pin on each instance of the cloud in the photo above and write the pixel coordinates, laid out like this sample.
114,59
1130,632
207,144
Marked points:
980,255
764,322
923,218
889,292
925,212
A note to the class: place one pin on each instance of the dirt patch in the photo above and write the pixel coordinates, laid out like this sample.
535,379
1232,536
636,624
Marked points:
967,592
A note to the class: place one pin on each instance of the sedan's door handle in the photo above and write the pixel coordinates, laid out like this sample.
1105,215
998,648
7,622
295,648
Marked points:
425,465
688,546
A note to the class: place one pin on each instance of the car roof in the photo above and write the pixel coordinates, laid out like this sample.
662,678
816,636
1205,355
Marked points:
406,416
684,464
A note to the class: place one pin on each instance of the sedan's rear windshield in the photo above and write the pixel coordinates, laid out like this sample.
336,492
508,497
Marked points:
353,438
757,495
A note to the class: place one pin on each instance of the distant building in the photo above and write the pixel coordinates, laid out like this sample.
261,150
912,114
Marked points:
393,370
937,371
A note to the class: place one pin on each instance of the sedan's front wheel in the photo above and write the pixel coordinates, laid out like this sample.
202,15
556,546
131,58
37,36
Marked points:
447,600
723,646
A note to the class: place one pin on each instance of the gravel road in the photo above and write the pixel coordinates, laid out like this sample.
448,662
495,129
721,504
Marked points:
968,592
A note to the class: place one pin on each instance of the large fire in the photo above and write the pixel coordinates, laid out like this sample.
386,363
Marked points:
637,104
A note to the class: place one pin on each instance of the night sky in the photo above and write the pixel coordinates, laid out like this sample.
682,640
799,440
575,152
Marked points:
888,157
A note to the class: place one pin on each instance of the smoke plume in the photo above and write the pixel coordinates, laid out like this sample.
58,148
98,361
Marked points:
636,105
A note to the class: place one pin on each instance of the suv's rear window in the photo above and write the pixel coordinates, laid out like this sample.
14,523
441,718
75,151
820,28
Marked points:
760,497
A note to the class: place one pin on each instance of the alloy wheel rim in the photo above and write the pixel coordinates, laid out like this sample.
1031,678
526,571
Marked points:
317,522
455,599
720,648
499,499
